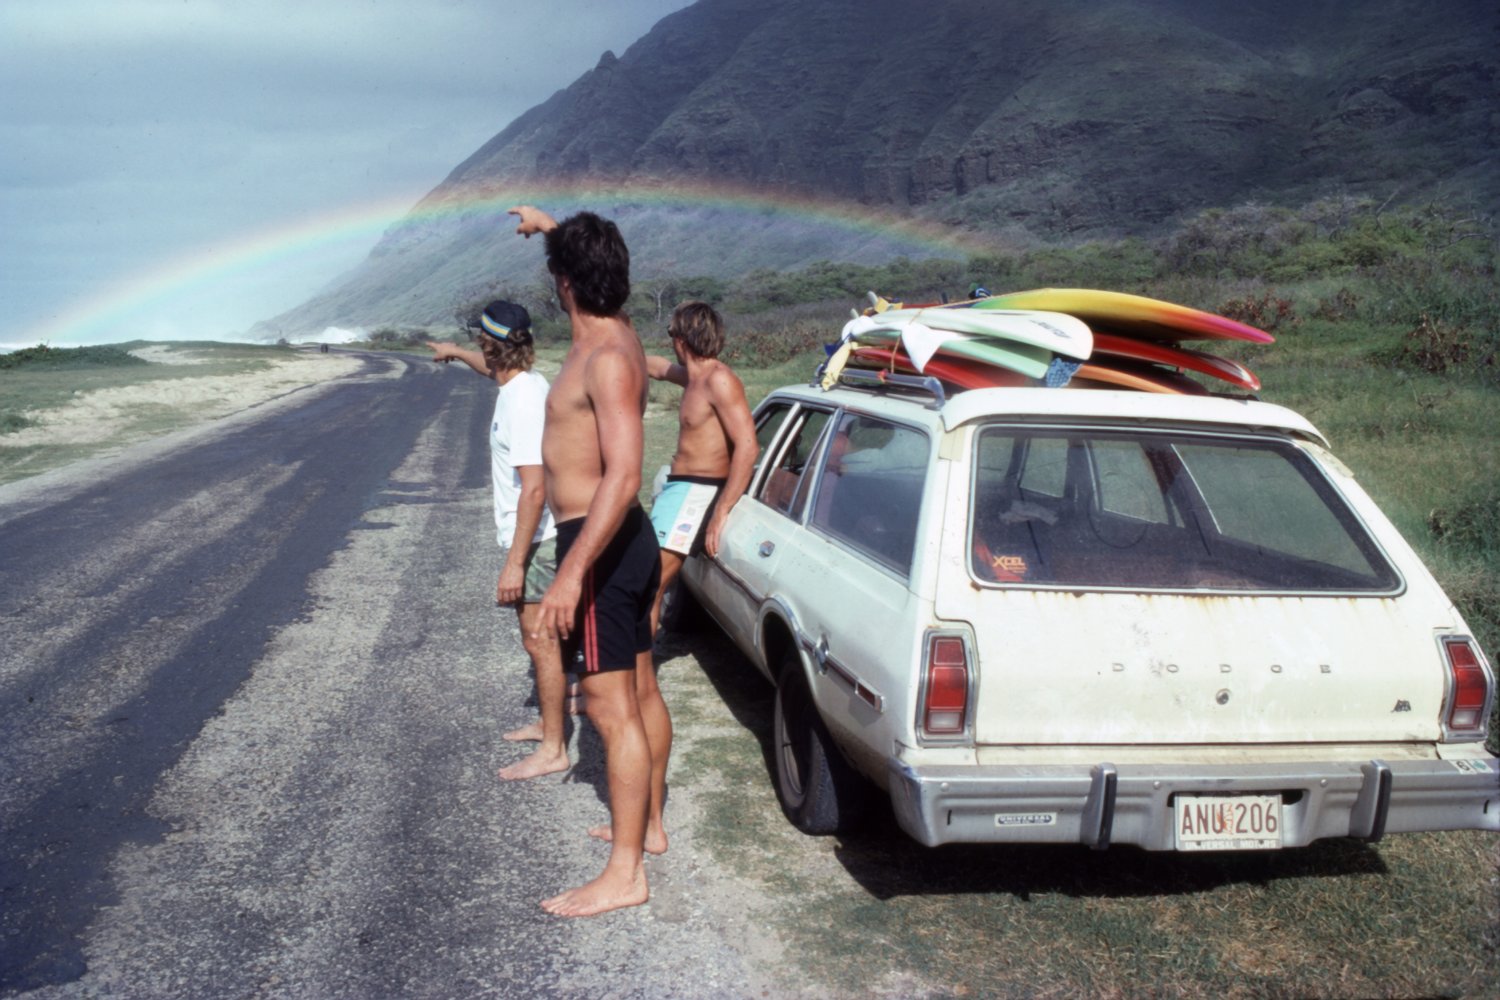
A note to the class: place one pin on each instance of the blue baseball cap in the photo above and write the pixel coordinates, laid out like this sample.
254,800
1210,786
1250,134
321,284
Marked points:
506,321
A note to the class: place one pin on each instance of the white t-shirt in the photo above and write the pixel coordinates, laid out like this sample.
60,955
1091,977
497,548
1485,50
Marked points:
516,440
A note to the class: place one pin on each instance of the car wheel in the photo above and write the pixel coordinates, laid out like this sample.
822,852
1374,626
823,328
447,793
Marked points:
817,789
679,609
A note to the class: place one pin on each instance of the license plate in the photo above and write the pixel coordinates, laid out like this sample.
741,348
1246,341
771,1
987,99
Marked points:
1228,822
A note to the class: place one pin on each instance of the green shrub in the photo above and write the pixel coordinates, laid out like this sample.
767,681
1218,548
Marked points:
773,337
1468,525
1405,290
1336,308
1302,261
1441,348
391,337
1266,311
43,356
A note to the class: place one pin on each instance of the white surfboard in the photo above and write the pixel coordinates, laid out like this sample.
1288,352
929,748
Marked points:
1056,332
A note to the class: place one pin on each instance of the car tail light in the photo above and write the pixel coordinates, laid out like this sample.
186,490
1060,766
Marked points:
1469,692
946,704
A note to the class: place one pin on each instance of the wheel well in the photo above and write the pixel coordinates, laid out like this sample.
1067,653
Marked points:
776,642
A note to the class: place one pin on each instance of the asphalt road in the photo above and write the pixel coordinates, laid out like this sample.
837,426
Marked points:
252,683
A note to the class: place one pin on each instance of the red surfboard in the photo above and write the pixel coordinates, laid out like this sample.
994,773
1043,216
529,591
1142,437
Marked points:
1111,374
965,373
1114,345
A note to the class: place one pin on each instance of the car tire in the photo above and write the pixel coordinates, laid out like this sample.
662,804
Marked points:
818,790
679,609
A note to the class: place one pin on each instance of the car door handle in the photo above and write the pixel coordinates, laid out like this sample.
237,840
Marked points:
766,548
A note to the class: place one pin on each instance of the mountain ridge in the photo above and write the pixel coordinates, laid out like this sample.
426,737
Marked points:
1000,118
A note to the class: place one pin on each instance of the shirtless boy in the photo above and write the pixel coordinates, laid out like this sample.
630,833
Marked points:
716,446
523,525
599,605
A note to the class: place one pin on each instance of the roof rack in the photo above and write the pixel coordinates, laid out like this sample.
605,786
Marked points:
882,379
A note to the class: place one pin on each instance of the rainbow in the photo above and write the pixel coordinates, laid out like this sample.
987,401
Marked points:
119,312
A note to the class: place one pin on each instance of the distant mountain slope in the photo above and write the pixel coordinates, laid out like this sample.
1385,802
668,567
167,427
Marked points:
1057,119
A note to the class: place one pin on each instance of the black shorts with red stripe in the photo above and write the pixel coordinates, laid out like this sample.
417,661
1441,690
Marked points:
614,612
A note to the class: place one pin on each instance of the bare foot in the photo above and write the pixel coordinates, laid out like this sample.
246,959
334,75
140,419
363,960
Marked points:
535,766
603,894
526,734
656,840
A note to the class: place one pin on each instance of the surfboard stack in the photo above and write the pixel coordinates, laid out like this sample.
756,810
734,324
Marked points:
1051,336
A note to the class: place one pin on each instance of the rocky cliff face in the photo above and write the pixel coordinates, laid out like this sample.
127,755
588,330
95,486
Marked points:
1160,105
1060,119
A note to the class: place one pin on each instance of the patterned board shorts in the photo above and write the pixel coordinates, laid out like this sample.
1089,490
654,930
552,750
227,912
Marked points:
681,512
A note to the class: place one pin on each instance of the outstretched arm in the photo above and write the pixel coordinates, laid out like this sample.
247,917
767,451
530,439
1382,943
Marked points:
727,395
445,353
533,220
665,370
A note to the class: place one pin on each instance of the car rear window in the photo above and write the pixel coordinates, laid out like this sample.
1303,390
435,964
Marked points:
1096,508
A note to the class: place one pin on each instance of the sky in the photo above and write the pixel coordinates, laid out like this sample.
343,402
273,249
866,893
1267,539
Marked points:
163,163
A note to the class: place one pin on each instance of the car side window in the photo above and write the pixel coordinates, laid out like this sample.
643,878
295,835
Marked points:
1046,467
1126,483
767,426
784,485
871,488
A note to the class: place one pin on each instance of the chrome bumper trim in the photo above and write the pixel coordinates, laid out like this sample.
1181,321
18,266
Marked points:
1107,804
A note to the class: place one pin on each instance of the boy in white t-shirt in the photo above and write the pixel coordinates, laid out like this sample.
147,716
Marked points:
523,525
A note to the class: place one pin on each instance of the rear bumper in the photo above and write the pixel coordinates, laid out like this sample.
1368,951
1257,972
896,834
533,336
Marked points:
1105,804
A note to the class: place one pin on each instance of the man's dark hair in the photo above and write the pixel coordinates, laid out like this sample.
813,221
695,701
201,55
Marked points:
591,254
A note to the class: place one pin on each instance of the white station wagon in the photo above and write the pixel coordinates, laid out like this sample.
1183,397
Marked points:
1097,617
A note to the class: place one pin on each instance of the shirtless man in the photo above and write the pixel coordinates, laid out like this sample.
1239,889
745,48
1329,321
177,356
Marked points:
716,446
523,524
599,605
